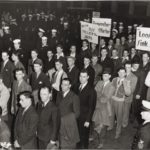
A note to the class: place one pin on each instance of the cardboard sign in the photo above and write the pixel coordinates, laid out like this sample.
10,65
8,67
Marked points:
104,26
142,38
96,14
89,32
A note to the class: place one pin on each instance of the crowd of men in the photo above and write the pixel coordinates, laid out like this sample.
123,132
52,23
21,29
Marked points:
59,89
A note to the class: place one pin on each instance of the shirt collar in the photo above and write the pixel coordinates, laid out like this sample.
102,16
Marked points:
25,109
65,93
83,85
146,121
105,83
59,55
45,103
71,68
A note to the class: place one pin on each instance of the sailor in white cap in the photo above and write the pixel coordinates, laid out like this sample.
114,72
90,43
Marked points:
129,29
54,32
41,32
42,15
30,17
23,16
17,43
38,16
43,49
120,23
121,29
66,25
44,41
114,25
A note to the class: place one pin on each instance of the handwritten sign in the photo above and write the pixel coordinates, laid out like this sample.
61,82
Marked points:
142,38
89,32
104,26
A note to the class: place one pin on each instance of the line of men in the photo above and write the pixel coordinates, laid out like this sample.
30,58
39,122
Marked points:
65,89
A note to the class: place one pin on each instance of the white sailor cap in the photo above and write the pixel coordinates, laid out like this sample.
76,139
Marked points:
135,25
16,41
129,27
66,23
6,28
121,27
23,15
41,30
30,15
37,14
54,30
46,16
13,20
146,105
121,23
115,30
114,23
44,38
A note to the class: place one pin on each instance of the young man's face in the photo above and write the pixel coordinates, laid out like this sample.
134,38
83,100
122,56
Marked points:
73,49
45,95
136,66
70,62
5,56
65,85
128,68
122,73
145,57
19,75
86,61
24,102
83,78
37,67
34,54
106,77
58,65
49,54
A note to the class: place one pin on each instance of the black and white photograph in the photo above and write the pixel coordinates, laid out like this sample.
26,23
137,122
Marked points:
74,74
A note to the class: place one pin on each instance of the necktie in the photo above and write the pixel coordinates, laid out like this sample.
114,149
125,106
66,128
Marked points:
80,88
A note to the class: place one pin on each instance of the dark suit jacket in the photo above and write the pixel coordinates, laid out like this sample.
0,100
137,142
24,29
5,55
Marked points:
91,73
49,64
82,54
7,73
24,86
87,103
68,104
73,75
107,63
49,120
37,83
26,127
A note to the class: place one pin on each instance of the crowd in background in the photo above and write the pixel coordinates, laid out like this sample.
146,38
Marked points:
56,89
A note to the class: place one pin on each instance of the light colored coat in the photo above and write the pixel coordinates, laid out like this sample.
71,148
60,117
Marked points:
133,81
103,106
4,97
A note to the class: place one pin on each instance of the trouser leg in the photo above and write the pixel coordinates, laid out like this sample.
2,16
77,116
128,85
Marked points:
119,115
126,112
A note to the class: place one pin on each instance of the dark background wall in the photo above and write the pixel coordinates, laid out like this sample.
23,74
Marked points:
126,11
